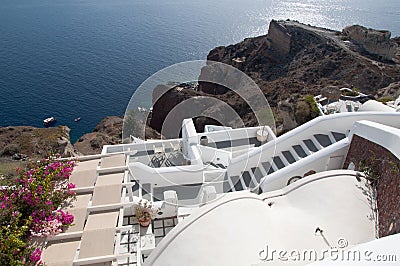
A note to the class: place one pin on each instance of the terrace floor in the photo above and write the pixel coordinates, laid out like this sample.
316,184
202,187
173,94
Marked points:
158,229
159,157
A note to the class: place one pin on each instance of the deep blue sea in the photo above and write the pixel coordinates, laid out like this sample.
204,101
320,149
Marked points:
85,58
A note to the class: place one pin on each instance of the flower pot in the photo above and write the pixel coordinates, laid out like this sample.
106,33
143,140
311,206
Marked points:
144,222
262,135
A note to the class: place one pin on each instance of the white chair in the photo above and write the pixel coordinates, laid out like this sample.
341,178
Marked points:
208,194
171,203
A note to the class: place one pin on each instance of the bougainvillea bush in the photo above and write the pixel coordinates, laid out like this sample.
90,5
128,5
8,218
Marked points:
30,208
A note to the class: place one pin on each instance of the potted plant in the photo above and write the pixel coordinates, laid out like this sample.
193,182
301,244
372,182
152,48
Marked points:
264,117
144,212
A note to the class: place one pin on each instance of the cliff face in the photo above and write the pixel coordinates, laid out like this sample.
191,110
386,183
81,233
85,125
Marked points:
294,60
308,55
165,98
107,132
279,39
376,42
25,141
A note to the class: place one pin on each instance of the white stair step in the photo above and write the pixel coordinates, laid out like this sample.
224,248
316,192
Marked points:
263,171
254,182
231,186
323,139
269,168
243,183
301,149
237,183
309,146
258,174
285,160
338,136
278,162
247,179
316,143
333,140
294,154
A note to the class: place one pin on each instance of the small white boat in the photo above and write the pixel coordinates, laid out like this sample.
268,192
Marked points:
77,119
142,109
49,121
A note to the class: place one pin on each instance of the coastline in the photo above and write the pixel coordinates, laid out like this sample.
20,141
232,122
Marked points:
292,61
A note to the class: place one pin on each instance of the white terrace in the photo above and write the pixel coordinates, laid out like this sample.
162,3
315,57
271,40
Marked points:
206,184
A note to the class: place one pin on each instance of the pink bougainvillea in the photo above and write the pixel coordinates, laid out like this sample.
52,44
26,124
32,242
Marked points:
30,208
36,255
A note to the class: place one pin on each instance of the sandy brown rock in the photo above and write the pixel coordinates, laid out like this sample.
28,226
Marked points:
375,42
22,141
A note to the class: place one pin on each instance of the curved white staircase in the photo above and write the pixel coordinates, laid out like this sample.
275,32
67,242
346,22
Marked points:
318,145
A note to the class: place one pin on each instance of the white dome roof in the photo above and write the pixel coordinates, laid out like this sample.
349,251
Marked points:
235,229
373,105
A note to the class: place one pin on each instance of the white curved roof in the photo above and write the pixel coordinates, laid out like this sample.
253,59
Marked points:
373,105
235,229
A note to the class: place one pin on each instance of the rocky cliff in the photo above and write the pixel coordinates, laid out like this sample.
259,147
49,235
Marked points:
23,141
374,42
107,132
18,143
290,62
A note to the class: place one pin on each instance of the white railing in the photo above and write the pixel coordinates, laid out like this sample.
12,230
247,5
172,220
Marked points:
230,135
193,155
167,176
385,136
145,146
215,156
330,158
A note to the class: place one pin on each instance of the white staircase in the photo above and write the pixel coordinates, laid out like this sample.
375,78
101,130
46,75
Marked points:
251,178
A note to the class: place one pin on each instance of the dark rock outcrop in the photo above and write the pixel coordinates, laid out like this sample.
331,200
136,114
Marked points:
107,132
165,98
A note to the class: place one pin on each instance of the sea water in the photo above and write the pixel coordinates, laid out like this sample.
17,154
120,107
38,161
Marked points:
85,58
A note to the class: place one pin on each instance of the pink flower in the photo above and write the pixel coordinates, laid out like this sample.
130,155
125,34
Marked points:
49,228
36,255
71,186
65,218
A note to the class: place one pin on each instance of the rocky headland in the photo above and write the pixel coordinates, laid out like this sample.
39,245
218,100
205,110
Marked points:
288,64
294,60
